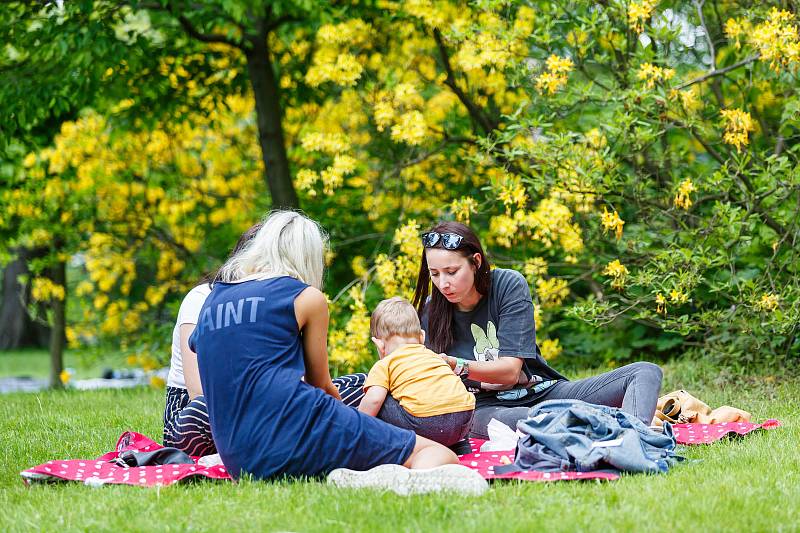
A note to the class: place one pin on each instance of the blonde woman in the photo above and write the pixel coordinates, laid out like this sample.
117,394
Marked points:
260,332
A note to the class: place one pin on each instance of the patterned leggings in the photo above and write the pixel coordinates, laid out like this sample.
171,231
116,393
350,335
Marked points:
186,424
351,388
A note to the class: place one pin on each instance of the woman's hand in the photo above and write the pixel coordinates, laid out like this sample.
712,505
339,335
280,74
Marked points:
502,371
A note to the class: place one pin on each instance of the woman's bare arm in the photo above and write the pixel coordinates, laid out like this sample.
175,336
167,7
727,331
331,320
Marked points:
502,371
311,311
191,372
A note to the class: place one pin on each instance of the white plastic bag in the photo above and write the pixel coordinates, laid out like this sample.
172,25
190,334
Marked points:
501,437
210,460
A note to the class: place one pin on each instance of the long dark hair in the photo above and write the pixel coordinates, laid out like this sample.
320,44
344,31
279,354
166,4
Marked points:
439,310
243,241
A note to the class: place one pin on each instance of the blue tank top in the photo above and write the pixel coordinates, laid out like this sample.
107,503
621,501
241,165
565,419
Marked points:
264,419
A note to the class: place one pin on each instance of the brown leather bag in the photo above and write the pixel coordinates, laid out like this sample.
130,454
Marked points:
680,407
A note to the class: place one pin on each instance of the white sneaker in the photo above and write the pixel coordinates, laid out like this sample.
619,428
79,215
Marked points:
404,481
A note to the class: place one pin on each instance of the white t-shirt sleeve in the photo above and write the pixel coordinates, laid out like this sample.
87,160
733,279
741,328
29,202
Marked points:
191,305
188,313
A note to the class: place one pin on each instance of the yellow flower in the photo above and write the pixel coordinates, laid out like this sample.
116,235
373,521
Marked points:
550,83
661,304
737,28
342,69
503,229
329,143
65,376
678,297
305,181
612,222
462,208
410,128
513,194
551,292
43,289
534,268
385,272
682,199
559,65
330,255
652,74
639,13
555,75
737,125
100,301
550,349
618,271
359,266
408,239
777,39
768,302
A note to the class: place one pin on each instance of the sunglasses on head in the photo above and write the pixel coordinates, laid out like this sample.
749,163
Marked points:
450,241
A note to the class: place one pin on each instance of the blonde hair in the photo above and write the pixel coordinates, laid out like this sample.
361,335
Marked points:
395,316
288,244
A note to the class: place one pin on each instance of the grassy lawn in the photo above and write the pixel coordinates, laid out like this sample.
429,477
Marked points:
748,484
36,363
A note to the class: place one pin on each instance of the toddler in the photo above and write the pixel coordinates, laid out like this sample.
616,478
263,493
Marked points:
412,387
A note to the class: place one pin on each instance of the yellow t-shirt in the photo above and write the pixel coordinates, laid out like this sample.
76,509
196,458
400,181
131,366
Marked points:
422,383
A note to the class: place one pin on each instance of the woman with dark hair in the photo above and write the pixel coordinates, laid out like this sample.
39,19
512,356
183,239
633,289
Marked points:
186,424
482,322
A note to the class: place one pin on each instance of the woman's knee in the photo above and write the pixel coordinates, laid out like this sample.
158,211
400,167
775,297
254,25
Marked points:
649,372
430,454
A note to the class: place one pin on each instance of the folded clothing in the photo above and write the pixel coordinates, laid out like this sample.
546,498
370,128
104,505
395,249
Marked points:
572,435
486,463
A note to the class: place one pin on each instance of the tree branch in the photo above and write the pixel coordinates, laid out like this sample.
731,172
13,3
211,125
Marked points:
187,25
206,37
280,21
475,112
699,5
719,72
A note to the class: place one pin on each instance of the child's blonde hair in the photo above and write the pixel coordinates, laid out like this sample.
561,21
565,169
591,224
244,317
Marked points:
395,316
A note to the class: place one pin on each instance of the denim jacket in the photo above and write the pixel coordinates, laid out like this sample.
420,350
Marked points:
574,435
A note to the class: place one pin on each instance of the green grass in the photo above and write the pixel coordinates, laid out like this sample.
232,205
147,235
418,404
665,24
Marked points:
748,484
36,363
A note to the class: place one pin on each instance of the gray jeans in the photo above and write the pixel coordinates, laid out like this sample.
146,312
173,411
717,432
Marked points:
445,429
634,388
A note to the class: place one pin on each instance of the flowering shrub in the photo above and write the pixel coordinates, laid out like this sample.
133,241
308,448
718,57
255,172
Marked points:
636,161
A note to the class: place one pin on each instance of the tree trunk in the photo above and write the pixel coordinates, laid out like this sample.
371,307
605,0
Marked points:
17,328
270,128
58,274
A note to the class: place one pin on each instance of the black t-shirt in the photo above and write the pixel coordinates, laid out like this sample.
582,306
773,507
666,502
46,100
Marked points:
502,325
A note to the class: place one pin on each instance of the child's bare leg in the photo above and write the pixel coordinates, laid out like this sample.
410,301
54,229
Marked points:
430,454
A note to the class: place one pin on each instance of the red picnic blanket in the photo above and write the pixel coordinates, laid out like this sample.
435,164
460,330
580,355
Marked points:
100,471
485,462
708,433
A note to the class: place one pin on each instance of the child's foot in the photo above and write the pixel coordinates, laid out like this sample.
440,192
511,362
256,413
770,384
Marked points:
404,481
